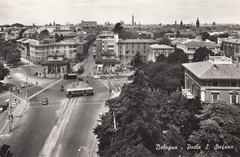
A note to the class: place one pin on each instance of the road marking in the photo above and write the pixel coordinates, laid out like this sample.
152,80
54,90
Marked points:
44,89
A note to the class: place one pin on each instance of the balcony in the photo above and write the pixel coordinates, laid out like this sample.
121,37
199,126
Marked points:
187,94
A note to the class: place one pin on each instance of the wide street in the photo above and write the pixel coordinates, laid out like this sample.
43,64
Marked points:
60,128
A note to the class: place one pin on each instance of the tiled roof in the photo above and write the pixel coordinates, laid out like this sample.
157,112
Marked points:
157,46
209,70
195,44
236,41
137,41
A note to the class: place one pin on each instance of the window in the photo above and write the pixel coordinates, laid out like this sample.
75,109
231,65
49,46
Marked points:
215,96
233,97
215,84
233,84
127,52
70,46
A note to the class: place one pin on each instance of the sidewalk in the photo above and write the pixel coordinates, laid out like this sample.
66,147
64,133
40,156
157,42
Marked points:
17,112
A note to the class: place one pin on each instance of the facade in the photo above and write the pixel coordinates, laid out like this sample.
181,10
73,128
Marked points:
217,78
56,63
128,48
88,24
231,48
156,49
106,41
190,47
39,51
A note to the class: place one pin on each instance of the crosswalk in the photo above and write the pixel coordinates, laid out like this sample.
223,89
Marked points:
66,104
52,101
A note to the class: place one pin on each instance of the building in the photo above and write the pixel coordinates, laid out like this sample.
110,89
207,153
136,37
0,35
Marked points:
56,63
128,48
156,49
217,78
88,24
40,50
190,47
106,41
231,48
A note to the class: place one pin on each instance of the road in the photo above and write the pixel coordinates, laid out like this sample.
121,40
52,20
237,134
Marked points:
60,128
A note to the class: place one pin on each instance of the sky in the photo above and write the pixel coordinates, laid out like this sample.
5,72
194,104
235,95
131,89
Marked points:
41,12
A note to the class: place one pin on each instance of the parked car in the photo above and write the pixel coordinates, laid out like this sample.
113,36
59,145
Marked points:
96,73
96,77
8,76
5,151
23,85
109,75
36,74
13,66
45,101
1,108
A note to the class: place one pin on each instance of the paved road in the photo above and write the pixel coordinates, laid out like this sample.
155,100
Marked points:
60,128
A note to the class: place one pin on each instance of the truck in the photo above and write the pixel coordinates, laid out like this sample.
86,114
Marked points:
70,76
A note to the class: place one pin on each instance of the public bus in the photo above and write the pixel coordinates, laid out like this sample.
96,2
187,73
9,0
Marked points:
73,92
81,69
70,76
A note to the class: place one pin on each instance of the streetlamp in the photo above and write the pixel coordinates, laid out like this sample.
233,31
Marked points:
86,149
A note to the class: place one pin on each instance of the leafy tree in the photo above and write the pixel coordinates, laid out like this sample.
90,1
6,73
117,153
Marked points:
118,28
219,125
9,52
177,57
165,41
205,35
137,61
3,71
161,58
225,35
201,54
57,37
43,34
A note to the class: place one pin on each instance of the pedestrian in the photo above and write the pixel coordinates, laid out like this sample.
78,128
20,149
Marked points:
87,81
37,83
11,88
18,90
39,74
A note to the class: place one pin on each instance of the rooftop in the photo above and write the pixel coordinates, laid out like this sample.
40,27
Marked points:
137,41
217,67
157,46
196,44
236,41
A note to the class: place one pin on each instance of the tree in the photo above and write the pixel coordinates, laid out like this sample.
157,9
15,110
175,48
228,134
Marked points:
205,35
57,37
201,54
9,52
137,61
177,57
165,41
225,35
118,28
43,34
3,71
219,128
161,58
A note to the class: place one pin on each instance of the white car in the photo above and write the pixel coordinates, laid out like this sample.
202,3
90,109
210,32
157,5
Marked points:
22,85
8,76
109,75
96,77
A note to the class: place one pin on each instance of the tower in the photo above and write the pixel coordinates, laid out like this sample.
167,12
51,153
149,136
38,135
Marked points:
197,23
132,20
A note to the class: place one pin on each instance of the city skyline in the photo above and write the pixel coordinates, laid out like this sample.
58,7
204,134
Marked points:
39,12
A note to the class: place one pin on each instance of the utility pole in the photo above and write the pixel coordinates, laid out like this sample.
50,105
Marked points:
8,101
108,89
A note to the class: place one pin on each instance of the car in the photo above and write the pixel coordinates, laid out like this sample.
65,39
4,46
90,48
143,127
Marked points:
36,74
80,79
5,151
109,75
96,77
8,76
23,85
45,101
1,108
96,73
13,66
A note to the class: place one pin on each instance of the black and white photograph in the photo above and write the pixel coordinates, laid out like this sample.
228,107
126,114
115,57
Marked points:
119,78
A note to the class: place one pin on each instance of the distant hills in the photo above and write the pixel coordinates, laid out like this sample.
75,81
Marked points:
14,25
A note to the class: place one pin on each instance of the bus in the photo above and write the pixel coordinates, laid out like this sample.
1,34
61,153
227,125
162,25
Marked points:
80,69
70,76
73,92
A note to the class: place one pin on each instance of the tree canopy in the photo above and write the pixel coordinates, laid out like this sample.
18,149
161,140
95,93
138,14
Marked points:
201,54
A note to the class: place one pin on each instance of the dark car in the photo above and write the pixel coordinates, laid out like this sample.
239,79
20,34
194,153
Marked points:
36,74
80,79
45,101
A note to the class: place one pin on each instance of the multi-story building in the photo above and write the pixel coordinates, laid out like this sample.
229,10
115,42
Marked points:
217,78
231,48
39,51
129,47
190,47
88,24
156,49
106,41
